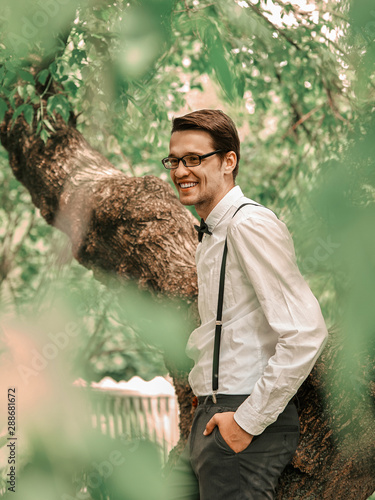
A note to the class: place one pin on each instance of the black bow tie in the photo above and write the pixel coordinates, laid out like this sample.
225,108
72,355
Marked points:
203,228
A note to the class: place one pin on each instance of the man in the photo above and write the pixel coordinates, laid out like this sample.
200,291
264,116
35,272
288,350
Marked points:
245,429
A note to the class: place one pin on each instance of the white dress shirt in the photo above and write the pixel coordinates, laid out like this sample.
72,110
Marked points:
273,328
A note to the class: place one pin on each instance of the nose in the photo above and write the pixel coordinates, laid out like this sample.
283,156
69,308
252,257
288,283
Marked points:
181,170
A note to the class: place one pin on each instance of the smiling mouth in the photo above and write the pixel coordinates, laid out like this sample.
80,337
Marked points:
186,185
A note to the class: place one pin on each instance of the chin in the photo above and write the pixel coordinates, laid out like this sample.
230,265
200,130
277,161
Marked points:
187,203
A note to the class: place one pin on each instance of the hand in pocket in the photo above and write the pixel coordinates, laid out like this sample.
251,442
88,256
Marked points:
235,437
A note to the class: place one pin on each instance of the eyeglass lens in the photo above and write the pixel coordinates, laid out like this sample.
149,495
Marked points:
189,161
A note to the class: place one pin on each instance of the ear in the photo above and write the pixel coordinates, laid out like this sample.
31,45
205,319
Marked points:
230,162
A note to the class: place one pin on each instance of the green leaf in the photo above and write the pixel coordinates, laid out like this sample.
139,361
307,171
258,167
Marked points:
30,89
26,75
53,69
10,96
59,104
20,90
18,112
42,76
10,78
28,113
3,109
44,135
51,103
10,66
71,87
49,125
63,108
78,56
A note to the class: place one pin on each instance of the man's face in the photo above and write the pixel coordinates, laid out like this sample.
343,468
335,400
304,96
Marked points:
205,185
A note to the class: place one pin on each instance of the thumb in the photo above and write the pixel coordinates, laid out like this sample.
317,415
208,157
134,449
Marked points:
211,424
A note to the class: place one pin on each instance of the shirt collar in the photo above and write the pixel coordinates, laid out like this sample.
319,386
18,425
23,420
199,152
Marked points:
222,207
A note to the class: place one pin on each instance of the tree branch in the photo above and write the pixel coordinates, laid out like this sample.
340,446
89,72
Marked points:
301,121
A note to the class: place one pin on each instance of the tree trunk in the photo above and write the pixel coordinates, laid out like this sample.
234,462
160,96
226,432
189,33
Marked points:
136,228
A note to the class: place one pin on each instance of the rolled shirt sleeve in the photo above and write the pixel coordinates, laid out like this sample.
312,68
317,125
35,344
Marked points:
265,251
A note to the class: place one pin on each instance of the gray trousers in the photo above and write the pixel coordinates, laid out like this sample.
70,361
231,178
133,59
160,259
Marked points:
208,469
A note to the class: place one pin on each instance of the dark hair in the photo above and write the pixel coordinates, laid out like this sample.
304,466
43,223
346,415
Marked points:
220,127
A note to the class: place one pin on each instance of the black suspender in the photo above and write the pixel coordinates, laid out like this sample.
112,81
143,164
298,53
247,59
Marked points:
219,315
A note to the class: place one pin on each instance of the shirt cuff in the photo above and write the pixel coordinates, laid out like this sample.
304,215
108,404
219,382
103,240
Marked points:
249,419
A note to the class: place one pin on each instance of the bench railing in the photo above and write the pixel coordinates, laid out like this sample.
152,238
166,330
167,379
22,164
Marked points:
120,414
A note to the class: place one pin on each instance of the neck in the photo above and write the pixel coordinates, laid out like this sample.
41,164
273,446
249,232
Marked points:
204,208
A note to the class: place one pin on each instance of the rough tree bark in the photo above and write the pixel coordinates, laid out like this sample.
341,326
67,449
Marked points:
136,227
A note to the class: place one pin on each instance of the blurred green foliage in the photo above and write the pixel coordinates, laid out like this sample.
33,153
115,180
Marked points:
58,455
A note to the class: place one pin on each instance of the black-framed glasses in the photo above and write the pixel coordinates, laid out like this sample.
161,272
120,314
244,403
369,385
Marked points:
190,160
